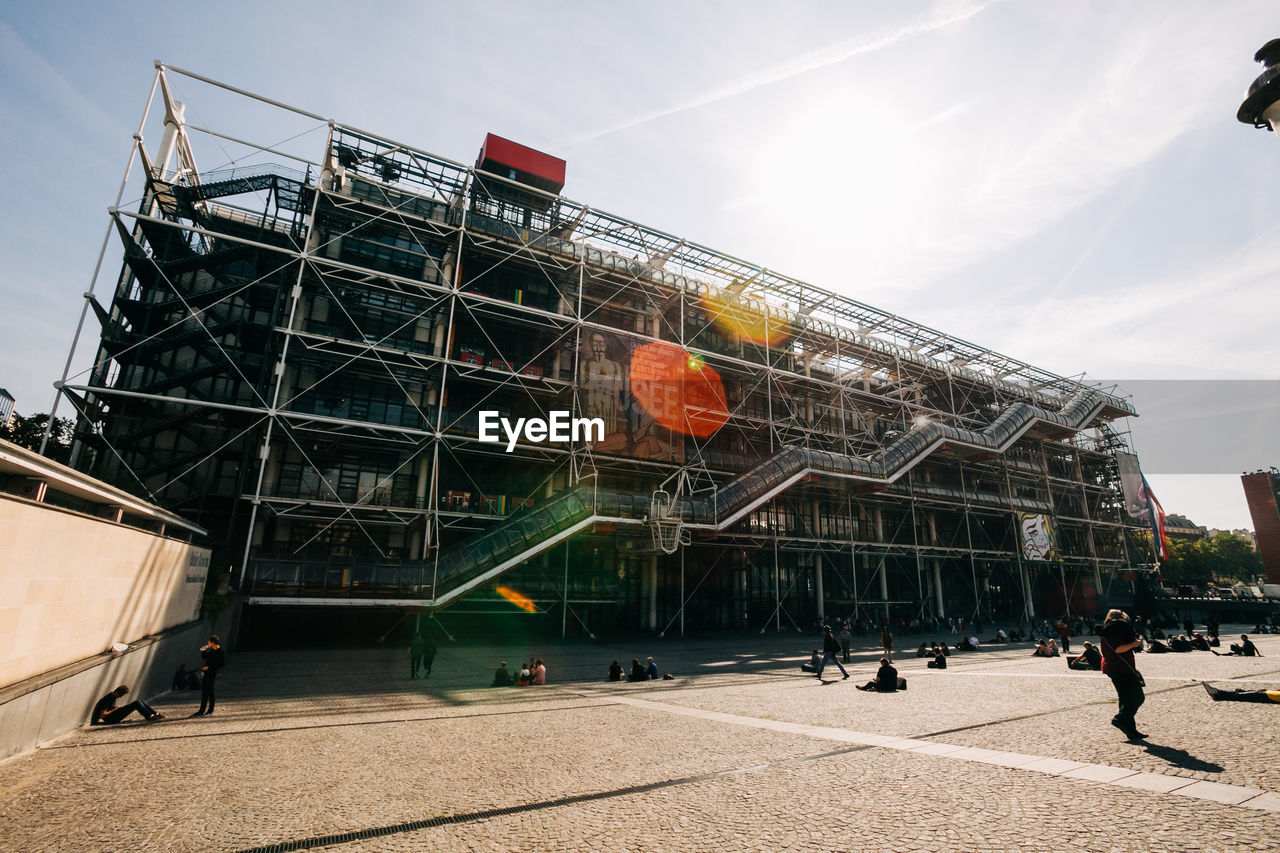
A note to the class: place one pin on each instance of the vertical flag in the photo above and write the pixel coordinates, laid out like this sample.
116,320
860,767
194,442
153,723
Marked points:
1157,522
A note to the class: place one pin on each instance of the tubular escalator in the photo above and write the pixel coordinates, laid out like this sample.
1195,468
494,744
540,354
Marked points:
526,535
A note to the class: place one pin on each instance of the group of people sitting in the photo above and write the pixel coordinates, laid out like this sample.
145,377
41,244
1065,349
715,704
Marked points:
1181,643
938,651
1046,649
647,671
529,674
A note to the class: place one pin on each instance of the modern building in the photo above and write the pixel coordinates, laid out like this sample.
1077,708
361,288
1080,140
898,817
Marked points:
1262,491
315,361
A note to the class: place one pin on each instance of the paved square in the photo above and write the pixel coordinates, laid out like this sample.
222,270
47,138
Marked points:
340,750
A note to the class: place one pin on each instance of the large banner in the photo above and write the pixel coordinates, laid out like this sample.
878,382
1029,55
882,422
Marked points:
1135,498
1037,537
604,382
1141,503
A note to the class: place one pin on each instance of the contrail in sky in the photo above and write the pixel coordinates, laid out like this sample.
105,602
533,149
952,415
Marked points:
820,58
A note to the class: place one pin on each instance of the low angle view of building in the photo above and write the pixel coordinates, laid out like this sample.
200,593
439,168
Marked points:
320,361
747,426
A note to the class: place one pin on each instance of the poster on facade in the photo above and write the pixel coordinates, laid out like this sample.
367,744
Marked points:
1037,537
604,383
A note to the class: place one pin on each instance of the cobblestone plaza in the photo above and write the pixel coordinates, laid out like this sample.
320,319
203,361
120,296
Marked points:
341,750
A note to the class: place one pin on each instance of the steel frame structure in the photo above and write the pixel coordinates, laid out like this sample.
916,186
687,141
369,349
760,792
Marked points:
293,357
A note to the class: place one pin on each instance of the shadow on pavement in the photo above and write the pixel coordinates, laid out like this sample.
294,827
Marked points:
1182,758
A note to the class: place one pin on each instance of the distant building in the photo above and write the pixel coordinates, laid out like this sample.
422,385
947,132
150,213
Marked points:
1183,529
1260,490
1242,532
6,406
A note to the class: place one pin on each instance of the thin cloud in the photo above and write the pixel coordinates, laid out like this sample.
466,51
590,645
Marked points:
795,67
19,62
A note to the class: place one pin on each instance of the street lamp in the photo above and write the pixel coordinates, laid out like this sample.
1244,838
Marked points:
1261,107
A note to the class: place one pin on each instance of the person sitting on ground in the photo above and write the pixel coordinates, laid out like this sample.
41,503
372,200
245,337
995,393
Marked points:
1157,647
184,679
942,647
939,661
886,680
815,660
1053,648
1199,643
1241,695
1244,648
968,644
539,672
922,651
1090,658
1001,636
106,713
1180,643
651,670
615,671
525,676
1041,650
637,671
501,676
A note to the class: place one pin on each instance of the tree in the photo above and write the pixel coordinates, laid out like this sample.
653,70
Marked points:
29,432
1237,558
1221,557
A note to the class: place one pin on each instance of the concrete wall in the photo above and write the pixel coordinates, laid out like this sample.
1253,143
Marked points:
40,709
71,585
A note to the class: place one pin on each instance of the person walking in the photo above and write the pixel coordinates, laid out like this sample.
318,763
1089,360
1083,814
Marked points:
214,660
845,640
886,641
417,648
1118,642
428,654
830,649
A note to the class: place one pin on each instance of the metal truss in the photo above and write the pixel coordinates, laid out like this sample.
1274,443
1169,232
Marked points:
295,356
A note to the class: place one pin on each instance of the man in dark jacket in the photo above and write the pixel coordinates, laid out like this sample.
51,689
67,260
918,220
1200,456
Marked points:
214,660
106,712
1118,641
830,652
417,648
886,680
1244,648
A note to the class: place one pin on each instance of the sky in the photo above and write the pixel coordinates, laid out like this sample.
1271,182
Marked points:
1065,183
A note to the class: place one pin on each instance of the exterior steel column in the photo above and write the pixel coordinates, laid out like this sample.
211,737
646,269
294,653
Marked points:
651,574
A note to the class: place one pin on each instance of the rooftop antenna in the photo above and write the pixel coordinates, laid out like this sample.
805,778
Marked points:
1261,107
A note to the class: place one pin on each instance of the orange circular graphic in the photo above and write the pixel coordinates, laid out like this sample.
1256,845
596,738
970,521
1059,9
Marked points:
678,389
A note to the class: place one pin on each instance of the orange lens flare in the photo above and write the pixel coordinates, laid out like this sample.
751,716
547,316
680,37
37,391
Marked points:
680,391
743,318
516,598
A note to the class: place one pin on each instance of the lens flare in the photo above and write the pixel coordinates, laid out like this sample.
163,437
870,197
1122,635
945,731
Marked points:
742,317
516,598
678,389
